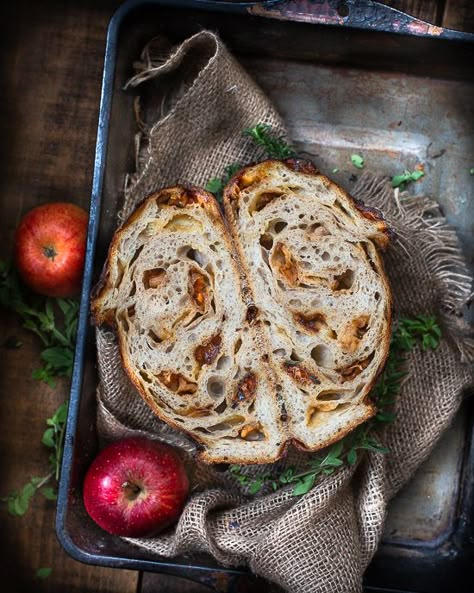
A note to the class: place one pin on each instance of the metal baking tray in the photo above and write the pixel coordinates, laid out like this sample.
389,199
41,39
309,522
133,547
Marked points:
347,77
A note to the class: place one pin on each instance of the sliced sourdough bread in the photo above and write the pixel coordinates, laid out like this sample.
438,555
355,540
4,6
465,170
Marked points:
265,327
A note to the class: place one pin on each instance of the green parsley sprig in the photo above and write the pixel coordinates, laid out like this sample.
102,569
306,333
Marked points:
406,177
274,145
216,184
54,321
18,502
357,161
423,330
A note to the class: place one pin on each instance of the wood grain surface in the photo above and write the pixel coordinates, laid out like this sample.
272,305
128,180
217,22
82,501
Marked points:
52,58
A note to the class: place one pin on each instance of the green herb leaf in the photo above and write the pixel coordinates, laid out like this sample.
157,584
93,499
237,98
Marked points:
304,485
256,486
49,493
352,456
214,185
275,145
48,438
43,573
357,161
406,177
217,184
54,321
44,374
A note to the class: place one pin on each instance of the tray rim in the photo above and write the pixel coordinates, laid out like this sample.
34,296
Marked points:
163,564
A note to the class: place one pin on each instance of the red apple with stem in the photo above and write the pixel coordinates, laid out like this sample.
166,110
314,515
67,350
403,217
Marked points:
50,247
136,487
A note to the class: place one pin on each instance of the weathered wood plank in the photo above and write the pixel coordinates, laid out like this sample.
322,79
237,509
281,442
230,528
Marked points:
52,58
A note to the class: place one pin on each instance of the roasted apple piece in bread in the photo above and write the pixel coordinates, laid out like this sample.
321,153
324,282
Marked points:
265,327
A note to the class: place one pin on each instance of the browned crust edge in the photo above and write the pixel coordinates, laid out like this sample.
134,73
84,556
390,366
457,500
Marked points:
307,167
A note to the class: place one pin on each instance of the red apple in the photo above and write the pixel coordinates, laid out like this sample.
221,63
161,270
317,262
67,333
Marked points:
50,247
136,487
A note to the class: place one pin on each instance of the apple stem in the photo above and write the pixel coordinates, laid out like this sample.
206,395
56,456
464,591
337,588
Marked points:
50,252
131,490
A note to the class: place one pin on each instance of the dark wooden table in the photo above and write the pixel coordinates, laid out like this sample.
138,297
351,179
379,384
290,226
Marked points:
52,57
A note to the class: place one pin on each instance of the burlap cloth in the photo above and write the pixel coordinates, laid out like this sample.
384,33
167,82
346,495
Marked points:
323,541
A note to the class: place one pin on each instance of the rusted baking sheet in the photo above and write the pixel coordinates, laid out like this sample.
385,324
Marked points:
347,77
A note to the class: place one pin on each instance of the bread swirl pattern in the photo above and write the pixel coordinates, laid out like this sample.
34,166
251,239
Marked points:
252,331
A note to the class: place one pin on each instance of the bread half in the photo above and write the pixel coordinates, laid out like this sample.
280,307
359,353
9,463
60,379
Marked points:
265,327
311,260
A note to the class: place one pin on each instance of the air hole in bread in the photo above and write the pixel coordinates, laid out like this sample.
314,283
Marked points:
263,199
326,396
121,266
184,223
145,376
322,355
355,369
177,383
131,312
221,407
294,357
280,226
228,423
153,278
193,254
266,241
295,303
237,346
169,348
253,432
317,414
377,296
196,413
251,314
280,352
154,336
325,256
353,333
135,255
133,290
215,387
223,363
339,206
368,256
343,281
